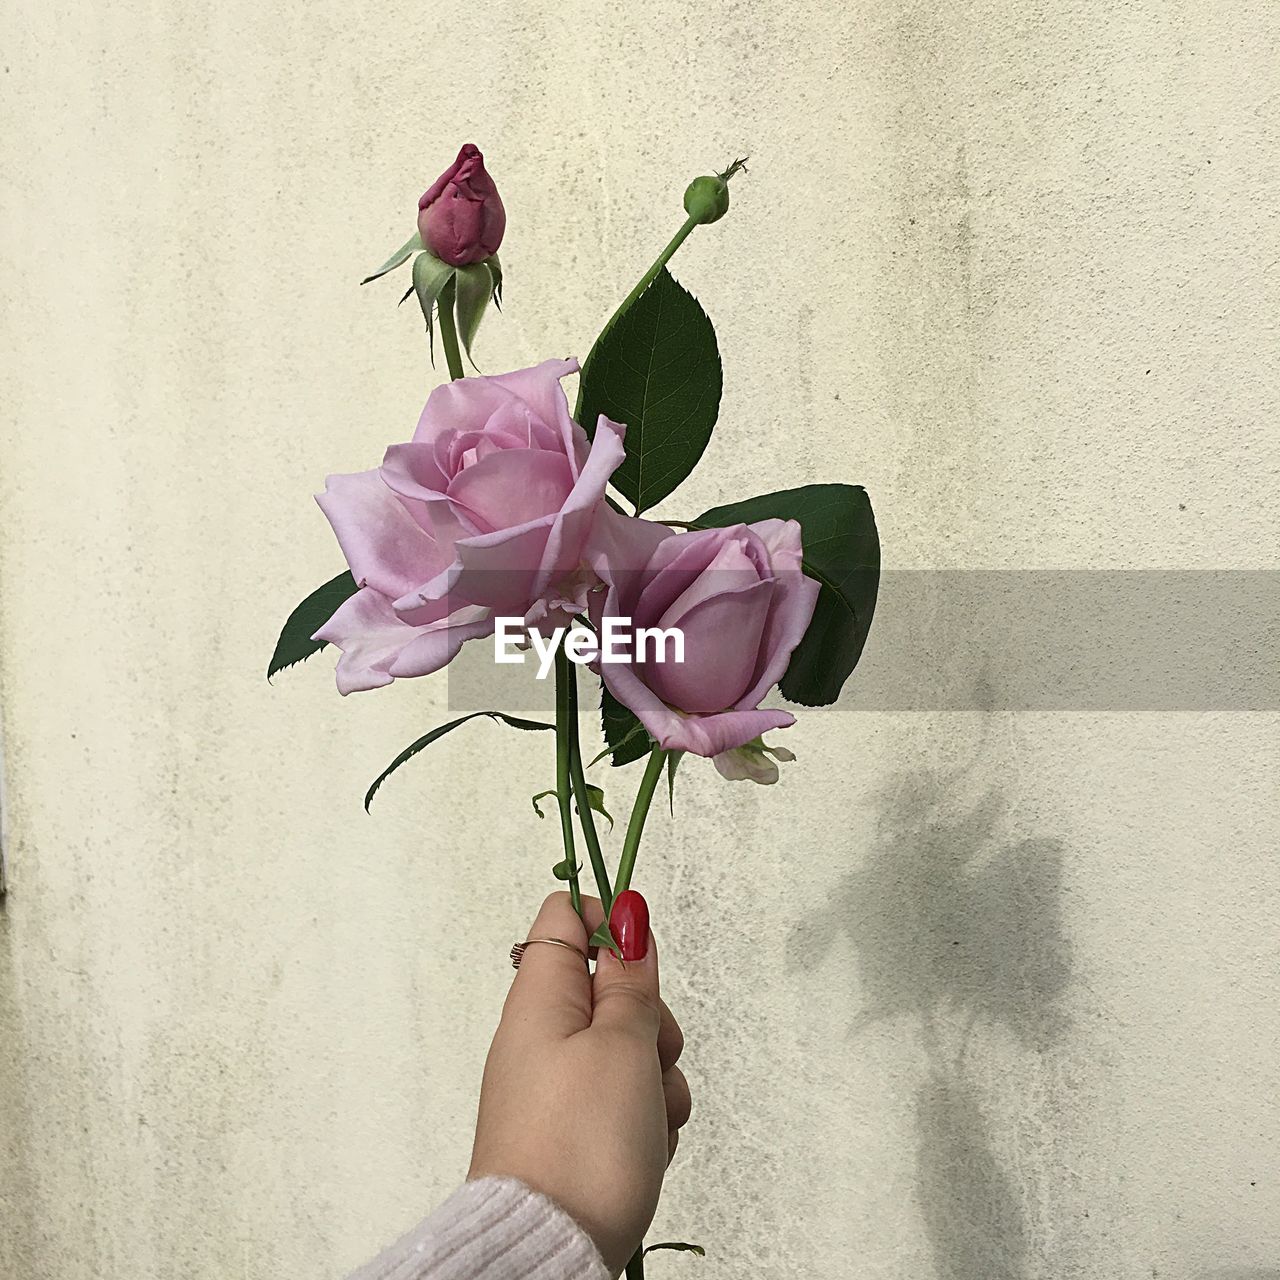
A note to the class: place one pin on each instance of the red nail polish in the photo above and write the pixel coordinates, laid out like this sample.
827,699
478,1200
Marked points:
629,922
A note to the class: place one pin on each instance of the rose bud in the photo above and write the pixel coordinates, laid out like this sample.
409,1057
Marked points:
742,601
460,216
706,199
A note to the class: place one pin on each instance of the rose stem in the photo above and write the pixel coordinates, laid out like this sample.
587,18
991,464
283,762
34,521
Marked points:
448,333
585,814
639,811
645,281
564,708
630,847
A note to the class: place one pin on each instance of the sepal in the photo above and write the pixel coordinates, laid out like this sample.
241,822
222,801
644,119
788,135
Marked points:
751,763
401,255
495,270
475,287
430,276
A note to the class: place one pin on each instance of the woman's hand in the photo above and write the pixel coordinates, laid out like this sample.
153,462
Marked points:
581,1098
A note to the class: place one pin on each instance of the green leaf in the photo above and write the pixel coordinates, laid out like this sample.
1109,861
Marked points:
410,246
657,369
430,276
604,938
475,288
561,870
673,759
678,1247
428,738
842,553
295,641
626,737
542,795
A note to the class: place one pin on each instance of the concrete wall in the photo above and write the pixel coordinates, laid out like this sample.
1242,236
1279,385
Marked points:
984,994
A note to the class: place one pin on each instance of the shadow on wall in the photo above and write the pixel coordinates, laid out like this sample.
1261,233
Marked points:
956,929
1241,1273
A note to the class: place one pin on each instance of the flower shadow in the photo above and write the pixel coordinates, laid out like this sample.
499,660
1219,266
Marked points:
1242,1273
954,918
947,918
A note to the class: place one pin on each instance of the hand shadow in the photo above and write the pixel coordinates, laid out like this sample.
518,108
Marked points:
971,1206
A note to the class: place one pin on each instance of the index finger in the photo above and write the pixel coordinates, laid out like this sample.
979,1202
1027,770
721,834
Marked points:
551,992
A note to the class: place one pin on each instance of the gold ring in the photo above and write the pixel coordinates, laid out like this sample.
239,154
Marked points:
517,951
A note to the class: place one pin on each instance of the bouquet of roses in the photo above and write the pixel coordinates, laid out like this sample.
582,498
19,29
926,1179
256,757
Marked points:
496,520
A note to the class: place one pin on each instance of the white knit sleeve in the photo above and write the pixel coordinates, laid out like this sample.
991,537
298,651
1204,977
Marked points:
491,1229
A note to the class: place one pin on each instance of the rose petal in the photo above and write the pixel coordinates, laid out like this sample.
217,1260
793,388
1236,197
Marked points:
513,487
411,470
794,600
678,564
436,646
721,643
472,400
729,570
567,540
540,389
702,735
377,646
384,545
619,550
497,570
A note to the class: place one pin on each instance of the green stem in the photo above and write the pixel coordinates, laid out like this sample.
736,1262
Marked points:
585,814
566,718
626,865
639,812
644,282
649,276
448,331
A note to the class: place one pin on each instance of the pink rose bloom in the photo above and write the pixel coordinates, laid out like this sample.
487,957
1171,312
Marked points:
460,215
486,511
743,603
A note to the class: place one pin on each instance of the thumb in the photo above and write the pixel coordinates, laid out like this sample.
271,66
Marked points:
625,996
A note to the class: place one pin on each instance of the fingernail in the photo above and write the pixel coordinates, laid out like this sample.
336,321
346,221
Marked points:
629,923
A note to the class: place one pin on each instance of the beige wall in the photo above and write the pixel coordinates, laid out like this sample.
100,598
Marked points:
1012,265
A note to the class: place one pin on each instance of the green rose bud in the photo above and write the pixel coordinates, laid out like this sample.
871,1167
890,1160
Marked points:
707,199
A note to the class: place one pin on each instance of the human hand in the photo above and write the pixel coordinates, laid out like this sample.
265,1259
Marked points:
581,1098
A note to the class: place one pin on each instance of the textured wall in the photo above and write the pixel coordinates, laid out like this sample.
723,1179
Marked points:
976,995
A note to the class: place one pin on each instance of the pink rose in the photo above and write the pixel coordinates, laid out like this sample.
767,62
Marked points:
743,603
486,511
460,216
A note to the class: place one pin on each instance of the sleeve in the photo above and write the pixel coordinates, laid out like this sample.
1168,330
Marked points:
491,1229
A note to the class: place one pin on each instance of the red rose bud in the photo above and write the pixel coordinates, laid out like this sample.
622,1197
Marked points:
460,216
